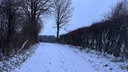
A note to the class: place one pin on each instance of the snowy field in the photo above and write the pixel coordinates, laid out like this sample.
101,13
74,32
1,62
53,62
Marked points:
64,58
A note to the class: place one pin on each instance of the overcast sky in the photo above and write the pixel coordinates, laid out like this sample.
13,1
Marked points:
85,13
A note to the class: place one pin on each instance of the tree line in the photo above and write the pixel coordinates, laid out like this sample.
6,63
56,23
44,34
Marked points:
109,36
47,38
21,21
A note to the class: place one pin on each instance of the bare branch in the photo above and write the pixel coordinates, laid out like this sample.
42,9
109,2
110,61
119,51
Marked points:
62,14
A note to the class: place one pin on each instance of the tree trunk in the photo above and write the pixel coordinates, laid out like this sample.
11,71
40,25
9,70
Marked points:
57,39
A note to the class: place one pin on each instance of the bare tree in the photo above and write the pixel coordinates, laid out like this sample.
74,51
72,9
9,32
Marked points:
9,17
9,12
34,9
62,14
120,10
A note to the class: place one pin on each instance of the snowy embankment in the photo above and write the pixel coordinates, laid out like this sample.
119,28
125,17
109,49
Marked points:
9,64
64,58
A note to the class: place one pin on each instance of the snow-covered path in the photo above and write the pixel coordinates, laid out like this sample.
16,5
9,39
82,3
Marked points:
55,58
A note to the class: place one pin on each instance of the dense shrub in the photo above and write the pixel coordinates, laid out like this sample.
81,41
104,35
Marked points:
108,36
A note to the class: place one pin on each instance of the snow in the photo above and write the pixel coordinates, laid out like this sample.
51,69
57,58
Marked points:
16,59
55,58
103,62
65,58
